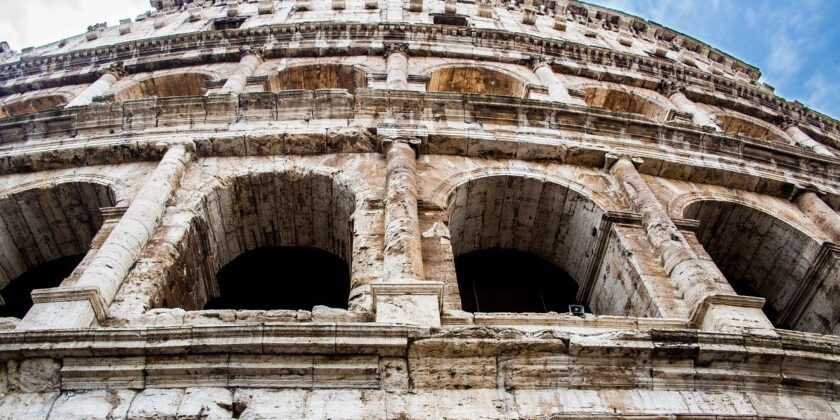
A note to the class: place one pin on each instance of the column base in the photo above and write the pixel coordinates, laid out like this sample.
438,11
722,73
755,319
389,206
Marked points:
64,307
409,303
732,313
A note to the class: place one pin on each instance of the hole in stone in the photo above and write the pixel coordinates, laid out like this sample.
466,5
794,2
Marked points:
30,105
743,127
318,76
17,294
475,80
501,280
170,85
621,101
283,278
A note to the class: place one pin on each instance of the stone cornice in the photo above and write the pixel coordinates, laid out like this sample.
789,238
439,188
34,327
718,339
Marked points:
214,46
222,125
137,358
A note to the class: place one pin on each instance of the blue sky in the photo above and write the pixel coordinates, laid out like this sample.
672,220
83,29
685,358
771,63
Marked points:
795,43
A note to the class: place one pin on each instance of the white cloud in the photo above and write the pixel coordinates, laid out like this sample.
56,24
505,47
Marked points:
29,23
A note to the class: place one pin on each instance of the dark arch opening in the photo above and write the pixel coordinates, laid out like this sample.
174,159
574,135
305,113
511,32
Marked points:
17,295
170,85
318,76
504,280
283,278
475,80
261,238
44,234
30,105
762,255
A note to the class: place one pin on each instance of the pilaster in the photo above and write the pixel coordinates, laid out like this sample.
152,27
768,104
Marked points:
84,303
396,58
403,296
714,302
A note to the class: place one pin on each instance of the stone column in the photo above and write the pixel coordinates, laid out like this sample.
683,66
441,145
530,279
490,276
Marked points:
98,88
403,255
799,137
556,91
396,57
676,94
86,302
820,213
403,296
714,302
248,64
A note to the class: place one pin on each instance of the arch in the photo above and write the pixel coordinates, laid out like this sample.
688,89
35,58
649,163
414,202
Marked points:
512,217
620,100
743,125
118,187
475,79
255,212
191,83
48,225
761,254
32,104
318,76
679,205
440,194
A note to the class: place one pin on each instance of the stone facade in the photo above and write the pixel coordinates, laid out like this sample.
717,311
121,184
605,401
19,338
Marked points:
652,169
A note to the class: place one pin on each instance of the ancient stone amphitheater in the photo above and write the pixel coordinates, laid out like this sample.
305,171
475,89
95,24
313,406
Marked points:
410,209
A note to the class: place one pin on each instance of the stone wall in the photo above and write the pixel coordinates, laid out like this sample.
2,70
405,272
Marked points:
694,210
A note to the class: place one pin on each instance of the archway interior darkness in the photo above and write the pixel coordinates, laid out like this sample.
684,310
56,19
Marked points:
502,280
264,237
318,76
475,80
27,106
44,234
758,254
283,278
18,294
621,101
170,85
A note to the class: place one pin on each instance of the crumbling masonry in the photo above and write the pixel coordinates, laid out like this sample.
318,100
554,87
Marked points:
458,177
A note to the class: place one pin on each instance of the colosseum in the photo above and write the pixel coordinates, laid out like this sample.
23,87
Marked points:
419,209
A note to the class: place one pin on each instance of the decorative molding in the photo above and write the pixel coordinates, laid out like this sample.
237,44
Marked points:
90,294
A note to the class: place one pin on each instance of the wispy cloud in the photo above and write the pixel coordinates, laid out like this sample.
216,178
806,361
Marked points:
793,42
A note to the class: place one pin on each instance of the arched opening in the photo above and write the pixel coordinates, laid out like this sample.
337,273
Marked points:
44,234
476,80
266,241
761,255
743,127
522,244
318,76
622,101
169,85
484,282
30,105
283,278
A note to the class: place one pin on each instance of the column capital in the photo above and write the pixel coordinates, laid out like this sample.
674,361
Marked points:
413,142
396,47
610,159
787,121
164,146
117,70
258,52
536,62
798,189
670,87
